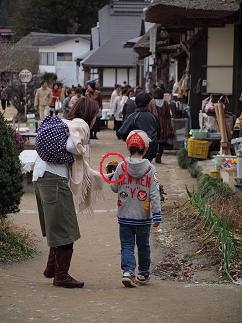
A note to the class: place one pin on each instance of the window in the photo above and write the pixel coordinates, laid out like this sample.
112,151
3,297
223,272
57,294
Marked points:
64,57
47,58
94,74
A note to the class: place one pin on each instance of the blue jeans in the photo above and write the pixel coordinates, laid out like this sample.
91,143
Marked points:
129,234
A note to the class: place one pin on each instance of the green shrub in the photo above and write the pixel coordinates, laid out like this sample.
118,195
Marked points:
11,187
15,244
212,187
218,226
49,77
188,163
182,158
194,170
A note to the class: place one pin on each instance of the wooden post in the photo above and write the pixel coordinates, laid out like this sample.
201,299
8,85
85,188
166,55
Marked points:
224,130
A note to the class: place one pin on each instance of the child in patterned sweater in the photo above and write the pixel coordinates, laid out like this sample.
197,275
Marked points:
139,207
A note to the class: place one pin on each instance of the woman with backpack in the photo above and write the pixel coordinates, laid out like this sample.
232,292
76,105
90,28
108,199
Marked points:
56,184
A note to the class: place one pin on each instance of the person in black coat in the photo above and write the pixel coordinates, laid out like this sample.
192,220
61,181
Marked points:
142,119
129,106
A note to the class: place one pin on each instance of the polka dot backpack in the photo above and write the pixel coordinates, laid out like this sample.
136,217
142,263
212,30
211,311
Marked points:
51,141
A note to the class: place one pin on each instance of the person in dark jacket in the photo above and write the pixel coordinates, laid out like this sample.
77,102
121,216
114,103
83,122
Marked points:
130,106
142,119
94,93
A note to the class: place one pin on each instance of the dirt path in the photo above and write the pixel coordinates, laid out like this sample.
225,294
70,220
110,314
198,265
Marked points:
26,296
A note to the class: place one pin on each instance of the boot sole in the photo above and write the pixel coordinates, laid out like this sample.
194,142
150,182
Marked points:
68,286
49,275
128,283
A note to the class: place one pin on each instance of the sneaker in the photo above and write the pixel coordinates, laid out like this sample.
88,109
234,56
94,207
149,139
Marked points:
143,280
128,280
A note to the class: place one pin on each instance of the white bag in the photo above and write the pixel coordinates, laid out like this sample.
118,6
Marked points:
58,105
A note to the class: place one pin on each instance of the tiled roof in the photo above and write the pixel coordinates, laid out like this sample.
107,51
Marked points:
112,54
161,11
128,7
47,39
115,30
218,5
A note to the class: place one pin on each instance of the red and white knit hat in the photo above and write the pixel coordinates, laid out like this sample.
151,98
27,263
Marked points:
138,139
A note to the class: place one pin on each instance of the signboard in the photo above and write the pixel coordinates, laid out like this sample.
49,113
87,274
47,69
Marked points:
25,76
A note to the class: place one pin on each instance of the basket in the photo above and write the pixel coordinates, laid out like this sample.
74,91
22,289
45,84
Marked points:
198,148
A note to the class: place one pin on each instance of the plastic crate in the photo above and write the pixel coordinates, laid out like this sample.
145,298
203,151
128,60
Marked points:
214,135
199,134
198,148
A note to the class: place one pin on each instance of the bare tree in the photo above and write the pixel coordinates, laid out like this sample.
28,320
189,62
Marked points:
13,58
17,56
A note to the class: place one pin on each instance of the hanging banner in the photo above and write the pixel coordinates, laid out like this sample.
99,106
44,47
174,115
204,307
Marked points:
153,35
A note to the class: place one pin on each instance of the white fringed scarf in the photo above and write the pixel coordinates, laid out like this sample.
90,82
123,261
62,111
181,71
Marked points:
85,183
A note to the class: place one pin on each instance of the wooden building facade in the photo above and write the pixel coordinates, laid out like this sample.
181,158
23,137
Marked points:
204,38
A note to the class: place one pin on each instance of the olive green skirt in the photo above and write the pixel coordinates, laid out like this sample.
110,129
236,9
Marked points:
57,214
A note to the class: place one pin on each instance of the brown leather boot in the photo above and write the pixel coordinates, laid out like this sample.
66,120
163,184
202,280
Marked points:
50,267
62,278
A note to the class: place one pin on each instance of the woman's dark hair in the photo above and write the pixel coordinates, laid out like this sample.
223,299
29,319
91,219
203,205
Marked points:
85,109
130,91
158,94
124,91
92,85
53,86
43,82
84,91
135,150
138,90
78,90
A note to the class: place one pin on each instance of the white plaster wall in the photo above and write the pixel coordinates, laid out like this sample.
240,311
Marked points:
122,75
132,77
221,45
220,60
67,71
108,77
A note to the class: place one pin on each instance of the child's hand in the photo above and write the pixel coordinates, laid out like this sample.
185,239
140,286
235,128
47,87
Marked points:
156,224
109,175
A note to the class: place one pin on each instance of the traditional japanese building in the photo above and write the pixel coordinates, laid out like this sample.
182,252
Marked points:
204,38
109,60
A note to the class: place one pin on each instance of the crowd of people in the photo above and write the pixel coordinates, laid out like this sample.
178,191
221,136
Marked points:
50,101
135,109
131,108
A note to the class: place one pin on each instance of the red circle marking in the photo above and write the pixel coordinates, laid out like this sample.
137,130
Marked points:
125,168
